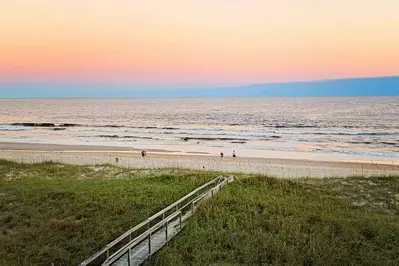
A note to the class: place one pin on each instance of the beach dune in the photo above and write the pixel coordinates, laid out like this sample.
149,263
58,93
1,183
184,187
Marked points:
288,168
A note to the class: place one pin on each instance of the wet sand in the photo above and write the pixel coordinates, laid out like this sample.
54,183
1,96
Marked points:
90,155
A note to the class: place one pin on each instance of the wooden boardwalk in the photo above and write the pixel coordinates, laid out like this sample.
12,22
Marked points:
133,247
141,252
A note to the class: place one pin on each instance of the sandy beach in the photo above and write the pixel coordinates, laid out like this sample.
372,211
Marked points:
94,155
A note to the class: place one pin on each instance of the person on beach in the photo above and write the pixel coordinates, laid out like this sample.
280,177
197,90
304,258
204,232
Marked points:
234,154
143,153
221,155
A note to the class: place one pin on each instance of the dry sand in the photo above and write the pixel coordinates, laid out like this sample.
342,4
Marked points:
90,155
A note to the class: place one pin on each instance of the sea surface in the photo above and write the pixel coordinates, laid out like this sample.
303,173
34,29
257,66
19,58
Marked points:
326,128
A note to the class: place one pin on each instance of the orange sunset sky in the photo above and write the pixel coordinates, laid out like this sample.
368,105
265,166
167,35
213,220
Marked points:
197,41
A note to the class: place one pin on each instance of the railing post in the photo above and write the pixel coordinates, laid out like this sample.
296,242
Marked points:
212,192
128,257
192,208
107,253
180,219
166,231
149,243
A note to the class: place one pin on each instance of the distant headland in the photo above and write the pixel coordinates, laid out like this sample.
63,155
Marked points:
367,86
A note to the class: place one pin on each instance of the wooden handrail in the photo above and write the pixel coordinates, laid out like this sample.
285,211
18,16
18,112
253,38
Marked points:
140,238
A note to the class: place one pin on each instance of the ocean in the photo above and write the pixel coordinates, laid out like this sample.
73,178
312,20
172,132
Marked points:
325,128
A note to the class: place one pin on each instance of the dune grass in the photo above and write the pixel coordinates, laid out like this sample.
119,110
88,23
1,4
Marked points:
61,214
52,213
266,221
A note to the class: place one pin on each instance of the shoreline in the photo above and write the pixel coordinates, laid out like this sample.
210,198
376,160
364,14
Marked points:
96,155
38,147
19,146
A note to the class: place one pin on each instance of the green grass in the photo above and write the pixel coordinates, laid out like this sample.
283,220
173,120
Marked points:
60,214
266,221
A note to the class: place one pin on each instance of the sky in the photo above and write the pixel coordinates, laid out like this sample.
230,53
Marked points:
196,42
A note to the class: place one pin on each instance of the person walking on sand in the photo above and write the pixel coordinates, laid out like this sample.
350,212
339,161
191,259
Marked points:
221,155
234,154
143,154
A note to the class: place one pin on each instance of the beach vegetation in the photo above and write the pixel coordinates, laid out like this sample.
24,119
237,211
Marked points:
60,214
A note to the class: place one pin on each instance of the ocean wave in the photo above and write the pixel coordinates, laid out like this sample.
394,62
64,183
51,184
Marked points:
40,124
11,128
387,143
360,133
361,142
211,139
342,133
251,133
364,153
123,137
332,151
390,143
33,124
322,125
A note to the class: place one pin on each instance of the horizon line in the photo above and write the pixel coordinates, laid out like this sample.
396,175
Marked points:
198,84
196,97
